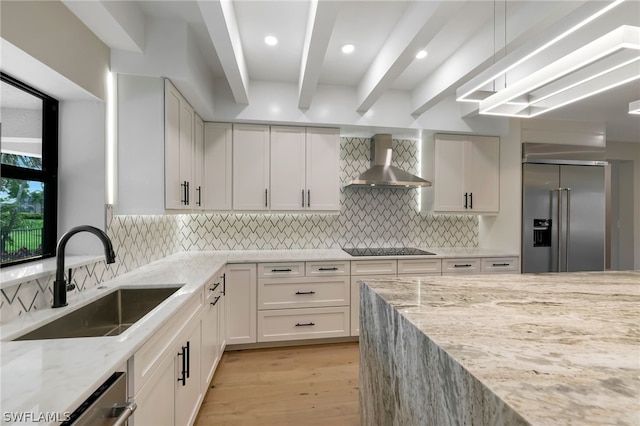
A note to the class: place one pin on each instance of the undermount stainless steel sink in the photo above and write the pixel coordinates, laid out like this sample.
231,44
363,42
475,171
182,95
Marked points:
110,315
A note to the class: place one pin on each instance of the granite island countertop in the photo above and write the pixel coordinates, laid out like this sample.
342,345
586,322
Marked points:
551,348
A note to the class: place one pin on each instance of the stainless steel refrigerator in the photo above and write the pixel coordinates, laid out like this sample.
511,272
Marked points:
563,208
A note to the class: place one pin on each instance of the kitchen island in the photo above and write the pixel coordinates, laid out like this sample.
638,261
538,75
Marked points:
501,350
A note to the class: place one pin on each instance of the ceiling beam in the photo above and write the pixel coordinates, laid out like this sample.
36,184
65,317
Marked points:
420,22
120,25
220,19
322,16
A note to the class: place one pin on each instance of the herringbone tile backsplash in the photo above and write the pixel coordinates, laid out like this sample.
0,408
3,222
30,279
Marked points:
368,217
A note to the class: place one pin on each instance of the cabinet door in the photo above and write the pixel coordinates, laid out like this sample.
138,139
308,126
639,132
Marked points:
198,164
218,138
241,305
188,395
449,182
174,191
323,169
210,333
179,140
287,168
482,173
250,167
156,399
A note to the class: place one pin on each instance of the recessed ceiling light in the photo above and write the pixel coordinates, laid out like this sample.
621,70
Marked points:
348,48
271,40
421,54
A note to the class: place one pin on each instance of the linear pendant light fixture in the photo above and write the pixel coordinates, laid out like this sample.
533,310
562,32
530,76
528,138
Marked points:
634,107
607,62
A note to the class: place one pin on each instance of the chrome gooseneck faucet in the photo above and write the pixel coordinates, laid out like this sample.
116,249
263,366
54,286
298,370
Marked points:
60,284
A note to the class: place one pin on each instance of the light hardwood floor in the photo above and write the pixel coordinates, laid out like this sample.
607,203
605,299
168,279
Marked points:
302,385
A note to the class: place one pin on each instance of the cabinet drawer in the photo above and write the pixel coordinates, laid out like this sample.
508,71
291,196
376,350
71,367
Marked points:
318,269
374,267
297,324
273,270
461,266
419,266
149,356
494,265
303,293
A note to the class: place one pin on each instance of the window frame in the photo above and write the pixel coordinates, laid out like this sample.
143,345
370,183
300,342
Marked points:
49,173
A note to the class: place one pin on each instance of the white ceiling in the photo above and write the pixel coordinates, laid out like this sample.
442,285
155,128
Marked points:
462,39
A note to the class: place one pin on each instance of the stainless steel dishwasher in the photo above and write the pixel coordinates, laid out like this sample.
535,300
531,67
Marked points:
107,406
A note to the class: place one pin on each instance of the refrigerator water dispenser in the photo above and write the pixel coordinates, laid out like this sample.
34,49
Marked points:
542,232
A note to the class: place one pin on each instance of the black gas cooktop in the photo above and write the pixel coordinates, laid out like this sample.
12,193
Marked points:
386,251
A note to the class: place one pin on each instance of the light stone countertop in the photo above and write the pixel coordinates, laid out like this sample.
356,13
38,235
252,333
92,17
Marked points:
56,376
557,348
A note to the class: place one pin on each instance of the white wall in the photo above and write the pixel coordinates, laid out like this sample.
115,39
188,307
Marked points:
140,162
503,231
81,172
628,151
49,32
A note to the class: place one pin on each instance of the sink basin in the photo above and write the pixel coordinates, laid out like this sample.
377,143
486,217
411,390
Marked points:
110,315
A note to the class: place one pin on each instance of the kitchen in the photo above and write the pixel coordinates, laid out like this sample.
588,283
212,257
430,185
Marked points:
152,42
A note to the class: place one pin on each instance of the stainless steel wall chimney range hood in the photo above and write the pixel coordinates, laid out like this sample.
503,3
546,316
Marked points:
382,173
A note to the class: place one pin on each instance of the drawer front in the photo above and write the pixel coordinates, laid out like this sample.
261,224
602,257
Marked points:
298,324
150,355
419,266
274,270
461,266
495,265
303,293
320,269
374,267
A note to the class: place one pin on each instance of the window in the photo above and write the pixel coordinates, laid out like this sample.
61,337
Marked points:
28,189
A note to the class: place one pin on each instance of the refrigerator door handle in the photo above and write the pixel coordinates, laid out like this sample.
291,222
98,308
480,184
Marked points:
568,230
559,221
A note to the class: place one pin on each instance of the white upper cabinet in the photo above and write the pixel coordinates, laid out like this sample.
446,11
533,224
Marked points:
198,164
285,168
288,188
218,139
465,172
323,169
250,167
179,150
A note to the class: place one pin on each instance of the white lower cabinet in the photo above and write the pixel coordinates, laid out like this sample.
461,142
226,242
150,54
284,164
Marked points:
241,306
155,400
461,266
211,330
188,386
499,265
355,300
303,300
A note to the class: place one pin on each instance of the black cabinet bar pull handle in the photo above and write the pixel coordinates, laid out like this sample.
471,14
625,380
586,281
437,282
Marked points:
188,358
306,324
266,192
187,192
199,195
471,200
500,264
465,200
183,378
183,187
308,198
215,286
215,301
303,198
463,265
306,292
224,283
281,270
328,269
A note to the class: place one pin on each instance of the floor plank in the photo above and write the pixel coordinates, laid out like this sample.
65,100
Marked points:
302,385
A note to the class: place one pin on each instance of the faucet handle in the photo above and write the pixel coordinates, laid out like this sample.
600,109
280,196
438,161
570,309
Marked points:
70,285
